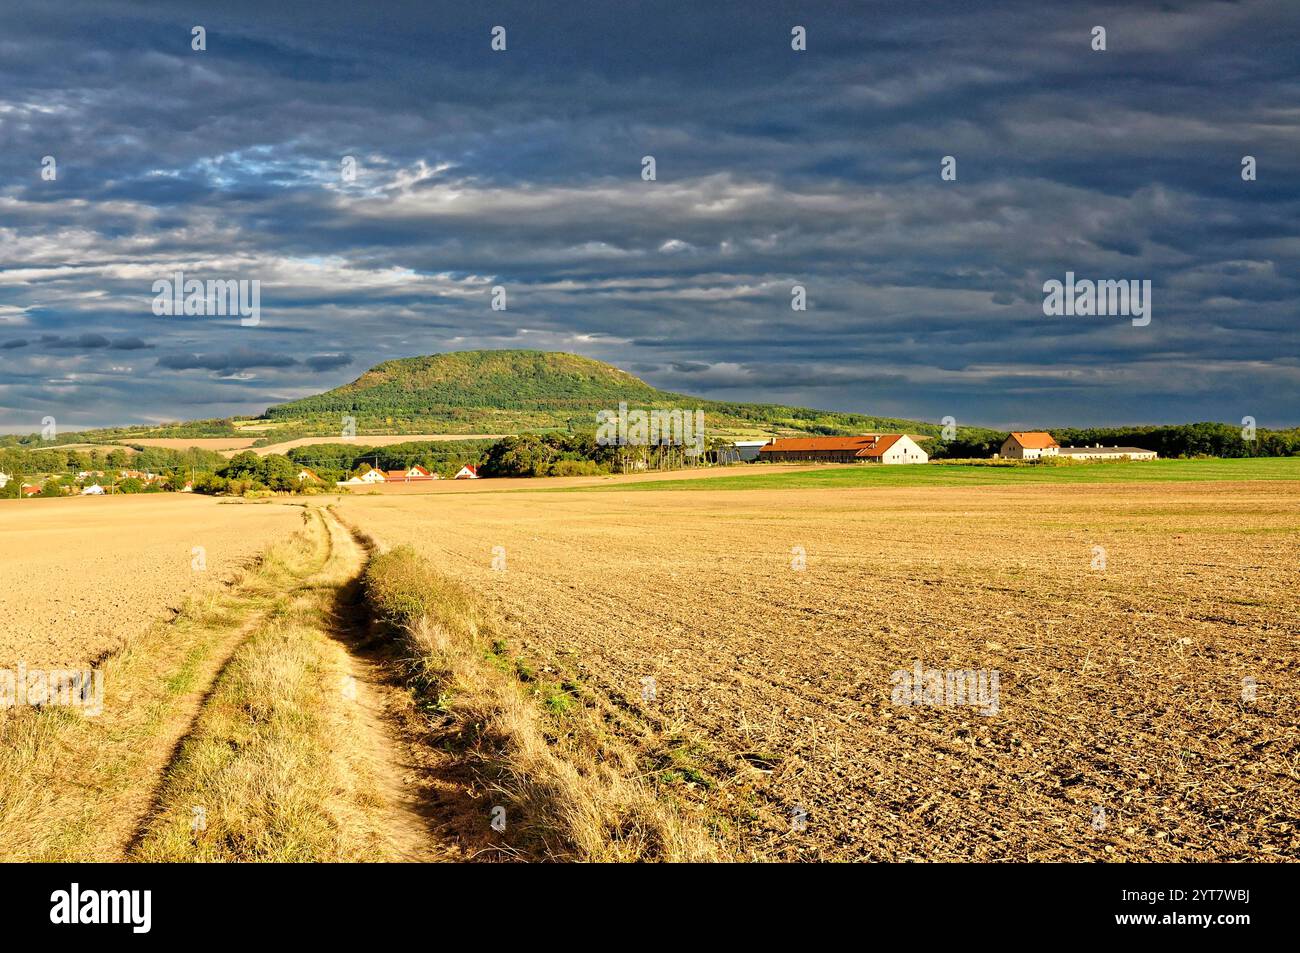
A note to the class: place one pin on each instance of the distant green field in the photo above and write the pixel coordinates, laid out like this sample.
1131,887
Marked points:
757,477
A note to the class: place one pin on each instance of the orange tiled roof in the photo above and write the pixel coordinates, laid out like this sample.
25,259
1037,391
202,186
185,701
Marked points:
882,444
804,444
1034,439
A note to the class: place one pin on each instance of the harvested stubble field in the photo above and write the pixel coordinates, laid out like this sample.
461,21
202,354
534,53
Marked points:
1124,729
80,575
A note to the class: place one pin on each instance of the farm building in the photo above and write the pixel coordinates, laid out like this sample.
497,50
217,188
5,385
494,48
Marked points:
866,448
29,490
748,450
1107,453
93,490
467,472
1029,445
737,451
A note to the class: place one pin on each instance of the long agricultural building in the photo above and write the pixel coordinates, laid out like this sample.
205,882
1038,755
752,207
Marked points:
1107,453
865,448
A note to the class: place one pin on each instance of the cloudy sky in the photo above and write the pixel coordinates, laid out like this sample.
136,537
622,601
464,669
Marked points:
774,167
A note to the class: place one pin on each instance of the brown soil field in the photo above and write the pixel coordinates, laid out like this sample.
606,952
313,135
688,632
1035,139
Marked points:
87,446
1147,690
366,441
79,575
232,444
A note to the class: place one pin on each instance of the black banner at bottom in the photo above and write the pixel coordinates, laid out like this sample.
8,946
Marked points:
140,902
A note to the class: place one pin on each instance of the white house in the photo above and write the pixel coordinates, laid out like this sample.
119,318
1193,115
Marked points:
467,472
93,490
895,448
369,477
4,480
1029,445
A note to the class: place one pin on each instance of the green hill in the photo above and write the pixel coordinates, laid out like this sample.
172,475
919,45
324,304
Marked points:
512,391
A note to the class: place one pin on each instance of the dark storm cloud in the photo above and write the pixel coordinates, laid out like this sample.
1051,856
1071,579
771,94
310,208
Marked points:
775,168
11,345
231,361
327,362
88,342
81,341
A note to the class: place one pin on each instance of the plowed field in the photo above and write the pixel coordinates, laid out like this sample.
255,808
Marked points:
79,575
1144,638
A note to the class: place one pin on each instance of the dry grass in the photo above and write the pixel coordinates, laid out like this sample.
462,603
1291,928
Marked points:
74,787
569,791
281,764
263,777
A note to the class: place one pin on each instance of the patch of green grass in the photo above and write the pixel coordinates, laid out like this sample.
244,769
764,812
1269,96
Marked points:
757,477
556,698
680,761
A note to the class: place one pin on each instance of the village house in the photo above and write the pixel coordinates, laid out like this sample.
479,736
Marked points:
142,475
467,472
1029,445
307,475
93,490
1099,452
4,480
888,448
29,490
369,477
409,475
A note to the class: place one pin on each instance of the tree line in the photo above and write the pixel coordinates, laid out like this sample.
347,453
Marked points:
1205,439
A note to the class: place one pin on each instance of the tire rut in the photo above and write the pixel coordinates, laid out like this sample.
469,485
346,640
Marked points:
398,756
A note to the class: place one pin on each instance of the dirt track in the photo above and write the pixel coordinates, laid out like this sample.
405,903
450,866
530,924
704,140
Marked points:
1123,731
